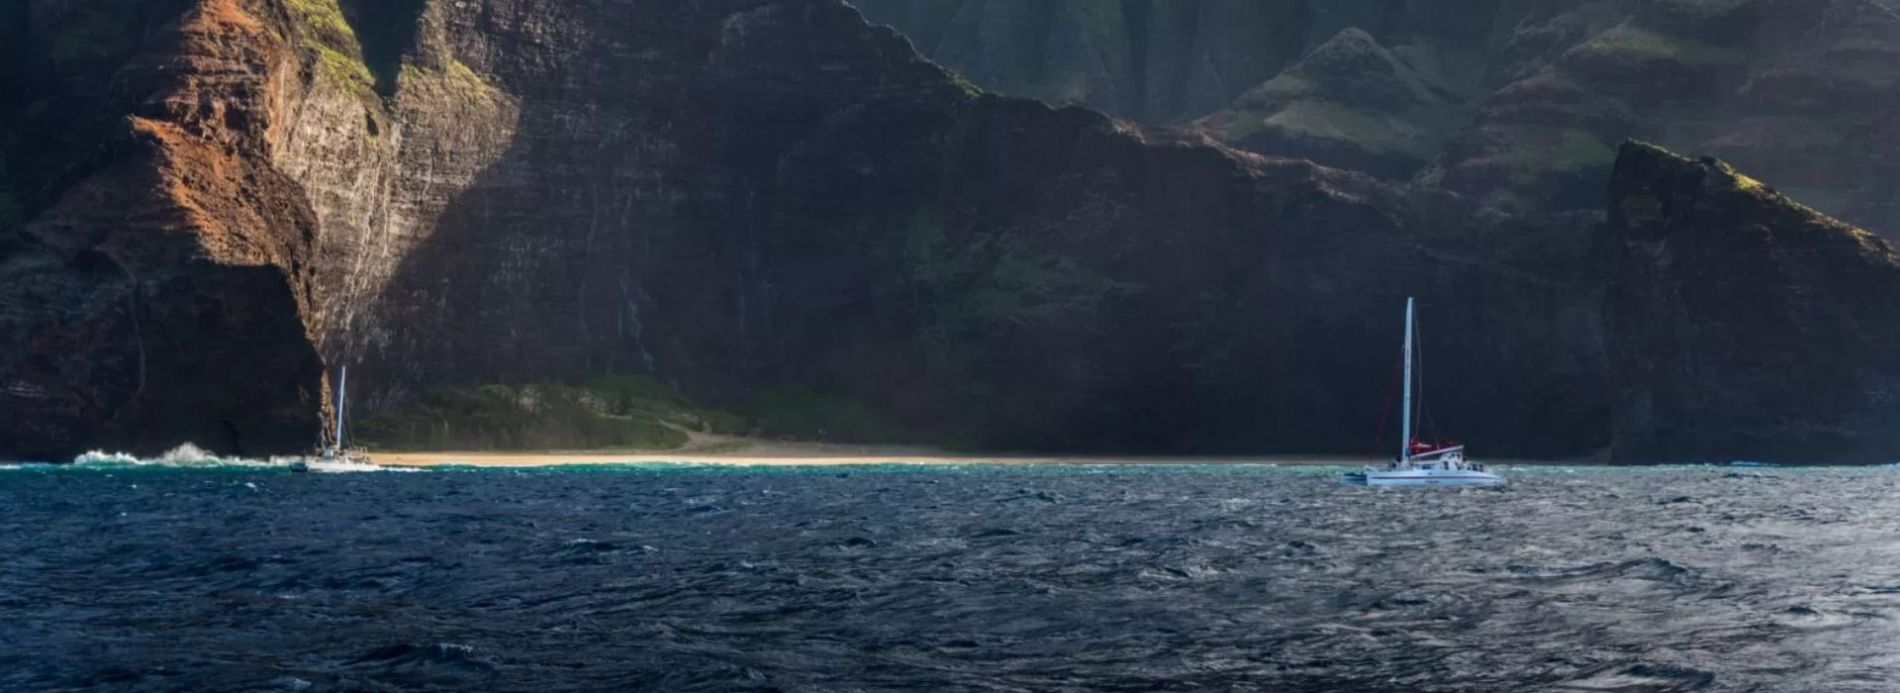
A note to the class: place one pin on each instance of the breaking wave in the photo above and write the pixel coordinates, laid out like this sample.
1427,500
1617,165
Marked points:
187,455
190,456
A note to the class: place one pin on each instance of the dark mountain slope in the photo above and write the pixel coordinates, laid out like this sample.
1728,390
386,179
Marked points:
1743,325
805,204
1519,104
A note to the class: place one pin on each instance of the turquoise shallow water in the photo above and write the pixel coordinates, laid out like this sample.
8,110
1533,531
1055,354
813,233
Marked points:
233,576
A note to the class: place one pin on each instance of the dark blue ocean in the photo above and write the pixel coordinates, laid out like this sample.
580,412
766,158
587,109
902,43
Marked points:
115,576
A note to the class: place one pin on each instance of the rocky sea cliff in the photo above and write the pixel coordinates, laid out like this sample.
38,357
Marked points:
203,203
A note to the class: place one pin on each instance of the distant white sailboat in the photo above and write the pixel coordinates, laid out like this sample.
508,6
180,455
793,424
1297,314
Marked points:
1421,464
337,452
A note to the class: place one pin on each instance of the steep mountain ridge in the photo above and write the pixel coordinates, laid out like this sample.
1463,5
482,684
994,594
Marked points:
1528,99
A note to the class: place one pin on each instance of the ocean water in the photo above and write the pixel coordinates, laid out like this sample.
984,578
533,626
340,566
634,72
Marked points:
213,575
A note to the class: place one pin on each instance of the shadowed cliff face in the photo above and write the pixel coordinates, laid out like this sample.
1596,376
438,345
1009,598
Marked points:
1743,325
733,197
738,196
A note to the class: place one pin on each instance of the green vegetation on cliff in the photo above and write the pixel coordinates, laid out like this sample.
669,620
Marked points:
996,282
1639,44
360,42
323,30
807,414
384,30
1378,134
611,413
454,74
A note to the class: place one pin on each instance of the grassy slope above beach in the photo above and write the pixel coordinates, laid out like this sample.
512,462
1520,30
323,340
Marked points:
617,414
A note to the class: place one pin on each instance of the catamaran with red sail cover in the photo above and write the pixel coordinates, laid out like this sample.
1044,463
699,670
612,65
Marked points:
1420,463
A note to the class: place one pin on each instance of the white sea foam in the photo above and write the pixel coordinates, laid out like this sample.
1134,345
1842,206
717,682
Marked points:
354,468
186,455
99,458
190,456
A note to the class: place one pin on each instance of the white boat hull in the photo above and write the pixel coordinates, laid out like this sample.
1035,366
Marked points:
1421,477
1420,463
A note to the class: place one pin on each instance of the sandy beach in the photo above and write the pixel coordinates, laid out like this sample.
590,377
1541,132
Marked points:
713,449
763,453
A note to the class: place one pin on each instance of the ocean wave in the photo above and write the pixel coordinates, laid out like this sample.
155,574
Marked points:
186,455
992,578
191,456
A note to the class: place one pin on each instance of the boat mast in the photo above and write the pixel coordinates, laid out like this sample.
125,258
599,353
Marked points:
342,388
1405,419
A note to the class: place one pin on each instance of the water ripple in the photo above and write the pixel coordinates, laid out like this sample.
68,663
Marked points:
193,577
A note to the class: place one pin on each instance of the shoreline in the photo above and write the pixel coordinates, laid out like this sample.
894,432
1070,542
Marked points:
736,451
752,453
530,460
762,454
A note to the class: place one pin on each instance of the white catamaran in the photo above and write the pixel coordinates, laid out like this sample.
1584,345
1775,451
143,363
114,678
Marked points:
1421,464
336,452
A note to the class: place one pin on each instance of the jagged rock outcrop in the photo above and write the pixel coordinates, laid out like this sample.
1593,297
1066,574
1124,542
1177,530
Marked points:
1743,325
